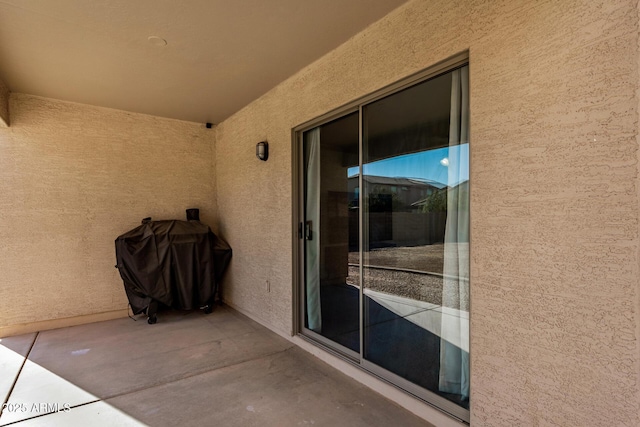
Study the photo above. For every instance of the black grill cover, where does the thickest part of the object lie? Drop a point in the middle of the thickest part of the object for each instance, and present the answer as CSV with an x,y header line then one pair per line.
x,y
176,263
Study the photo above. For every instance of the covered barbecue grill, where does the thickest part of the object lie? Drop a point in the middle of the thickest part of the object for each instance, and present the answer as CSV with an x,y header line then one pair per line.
x,y
171,263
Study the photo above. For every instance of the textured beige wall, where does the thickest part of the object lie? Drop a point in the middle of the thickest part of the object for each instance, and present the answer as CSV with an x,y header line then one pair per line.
x,y
4,104
554,127
73,178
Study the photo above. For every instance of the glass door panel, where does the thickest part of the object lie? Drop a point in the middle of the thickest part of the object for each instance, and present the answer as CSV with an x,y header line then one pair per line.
x,y
385,229
416,238
331,233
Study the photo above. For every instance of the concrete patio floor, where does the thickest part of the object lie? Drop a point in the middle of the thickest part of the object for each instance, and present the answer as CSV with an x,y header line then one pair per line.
x,y
188,369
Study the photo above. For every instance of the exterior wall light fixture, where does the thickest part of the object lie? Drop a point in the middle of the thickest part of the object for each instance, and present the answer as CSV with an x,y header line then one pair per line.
x,y
262,150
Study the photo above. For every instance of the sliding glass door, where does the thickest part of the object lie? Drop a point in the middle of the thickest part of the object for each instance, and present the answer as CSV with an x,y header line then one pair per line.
x,y
385,226
330,233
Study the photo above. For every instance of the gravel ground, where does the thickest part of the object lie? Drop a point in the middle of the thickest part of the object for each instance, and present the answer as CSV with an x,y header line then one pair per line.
x,y
427,258
418,285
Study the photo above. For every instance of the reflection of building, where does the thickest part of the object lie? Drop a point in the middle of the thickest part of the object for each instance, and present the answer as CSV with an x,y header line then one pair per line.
x,y
396,216
405,191
437,201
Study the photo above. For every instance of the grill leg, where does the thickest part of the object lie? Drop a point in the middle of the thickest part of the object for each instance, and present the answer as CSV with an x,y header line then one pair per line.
x,y
152,309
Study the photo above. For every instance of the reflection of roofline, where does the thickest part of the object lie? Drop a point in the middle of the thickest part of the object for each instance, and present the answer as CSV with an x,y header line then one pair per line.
x,y
424,200
420,202
377,179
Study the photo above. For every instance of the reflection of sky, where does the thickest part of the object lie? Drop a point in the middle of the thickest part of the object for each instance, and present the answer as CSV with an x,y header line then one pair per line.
x,y
422,165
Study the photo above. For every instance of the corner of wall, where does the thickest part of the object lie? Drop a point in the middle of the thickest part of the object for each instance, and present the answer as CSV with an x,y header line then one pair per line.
x,y
213,164
636,264
4,104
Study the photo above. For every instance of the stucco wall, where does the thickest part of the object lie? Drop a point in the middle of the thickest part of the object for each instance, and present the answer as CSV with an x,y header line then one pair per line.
x,y
4,104
554,188
73,178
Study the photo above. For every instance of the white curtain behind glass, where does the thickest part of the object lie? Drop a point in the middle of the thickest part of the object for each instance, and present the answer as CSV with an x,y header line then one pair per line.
x,y
454,360
312,259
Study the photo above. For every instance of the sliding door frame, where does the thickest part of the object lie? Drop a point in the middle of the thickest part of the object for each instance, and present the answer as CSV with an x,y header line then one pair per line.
x,y
298,214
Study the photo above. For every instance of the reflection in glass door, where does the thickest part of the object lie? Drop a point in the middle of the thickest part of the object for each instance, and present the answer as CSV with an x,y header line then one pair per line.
x,y
332,291
385,226
416,235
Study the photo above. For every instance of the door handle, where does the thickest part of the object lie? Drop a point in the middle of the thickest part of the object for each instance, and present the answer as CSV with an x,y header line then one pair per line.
x,y
308,234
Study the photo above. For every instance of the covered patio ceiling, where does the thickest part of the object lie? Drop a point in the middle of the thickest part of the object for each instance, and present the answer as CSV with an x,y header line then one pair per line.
x,y
196,60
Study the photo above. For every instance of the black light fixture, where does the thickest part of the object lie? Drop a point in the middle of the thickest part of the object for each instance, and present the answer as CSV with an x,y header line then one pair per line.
x,y
262,150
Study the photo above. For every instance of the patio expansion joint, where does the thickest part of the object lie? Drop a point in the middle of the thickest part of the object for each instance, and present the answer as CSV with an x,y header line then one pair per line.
x,y
195,374
149,387
24,361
